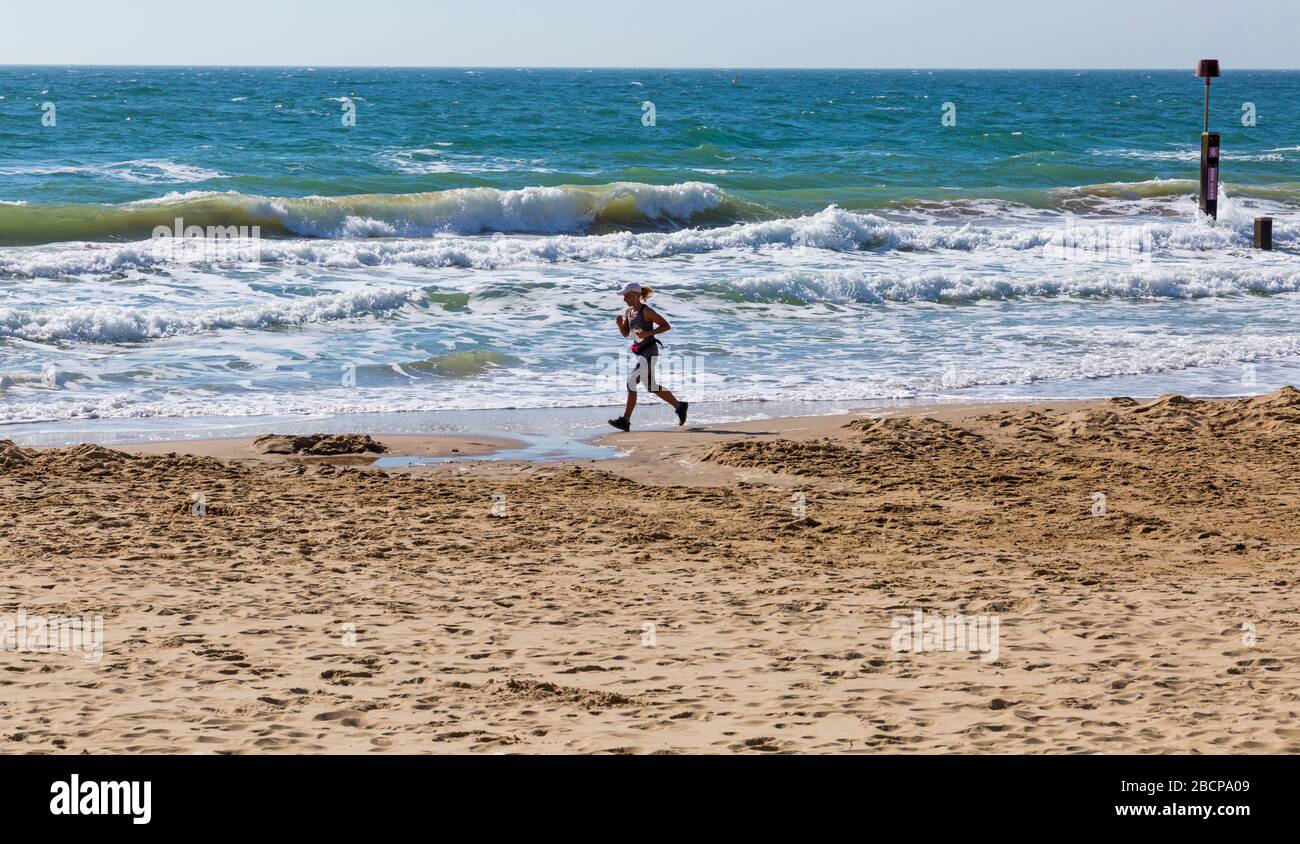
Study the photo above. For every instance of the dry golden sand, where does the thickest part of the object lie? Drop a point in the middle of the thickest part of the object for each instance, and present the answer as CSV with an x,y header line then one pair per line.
x,y
527,631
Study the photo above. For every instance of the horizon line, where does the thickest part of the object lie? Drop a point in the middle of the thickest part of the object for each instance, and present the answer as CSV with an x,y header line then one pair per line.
x,y
1190,68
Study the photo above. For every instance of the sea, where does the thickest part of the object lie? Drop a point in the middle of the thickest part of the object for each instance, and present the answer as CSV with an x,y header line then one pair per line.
x,y
199,251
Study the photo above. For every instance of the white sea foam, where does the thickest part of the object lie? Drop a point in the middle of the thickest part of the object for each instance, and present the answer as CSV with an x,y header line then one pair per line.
x,y
955,285
141,171
1187,155
173,197
425,161
526,389
1166,355
103,324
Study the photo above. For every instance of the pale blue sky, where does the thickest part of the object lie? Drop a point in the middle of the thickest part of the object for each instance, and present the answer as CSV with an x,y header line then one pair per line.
x,y
662,33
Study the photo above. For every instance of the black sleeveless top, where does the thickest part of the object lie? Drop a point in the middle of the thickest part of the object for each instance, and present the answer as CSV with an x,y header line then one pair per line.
x,y
650,347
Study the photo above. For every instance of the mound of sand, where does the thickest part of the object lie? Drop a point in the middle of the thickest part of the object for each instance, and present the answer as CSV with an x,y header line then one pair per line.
x,y
318,445
822,457
1169,421
11,456
913,432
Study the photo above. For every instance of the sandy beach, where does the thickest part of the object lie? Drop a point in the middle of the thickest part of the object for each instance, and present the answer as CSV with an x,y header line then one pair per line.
x,y
733,588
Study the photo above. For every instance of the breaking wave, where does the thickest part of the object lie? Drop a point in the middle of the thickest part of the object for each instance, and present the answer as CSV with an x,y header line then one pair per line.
x,y
832,229
536,210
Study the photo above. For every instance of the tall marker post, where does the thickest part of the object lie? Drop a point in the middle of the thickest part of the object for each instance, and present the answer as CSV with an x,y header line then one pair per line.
x,y
1208,69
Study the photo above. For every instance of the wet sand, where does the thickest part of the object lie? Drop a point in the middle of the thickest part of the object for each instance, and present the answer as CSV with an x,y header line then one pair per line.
x,y
247,448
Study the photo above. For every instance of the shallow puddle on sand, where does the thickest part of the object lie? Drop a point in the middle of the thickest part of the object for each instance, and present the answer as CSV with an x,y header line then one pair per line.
x,y
540,448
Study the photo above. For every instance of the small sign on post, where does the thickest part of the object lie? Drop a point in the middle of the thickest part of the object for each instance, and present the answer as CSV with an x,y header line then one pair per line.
x,y
1210,173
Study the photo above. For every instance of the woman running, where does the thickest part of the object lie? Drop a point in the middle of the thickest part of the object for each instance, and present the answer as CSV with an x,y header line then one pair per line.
x,y
643,323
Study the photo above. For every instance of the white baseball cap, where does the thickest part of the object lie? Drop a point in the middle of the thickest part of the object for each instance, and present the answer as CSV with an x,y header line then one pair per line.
x,y
630,287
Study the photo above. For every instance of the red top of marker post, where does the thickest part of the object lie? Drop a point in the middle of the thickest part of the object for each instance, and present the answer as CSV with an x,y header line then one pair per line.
x,y
1208,68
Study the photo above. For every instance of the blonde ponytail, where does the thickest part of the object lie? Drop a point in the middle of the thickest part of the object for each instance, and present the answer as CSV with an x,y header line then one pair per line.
x,y
646,291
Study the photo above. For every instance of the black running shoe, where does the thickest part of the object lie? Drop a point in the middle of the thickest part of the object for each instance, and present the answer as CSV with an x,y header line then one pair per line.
x,y
622,424
681,412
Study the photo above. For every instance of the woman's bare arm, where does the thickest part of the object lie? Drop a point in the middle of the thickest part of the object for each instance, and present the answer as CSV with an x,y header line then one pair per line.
x,y
658,323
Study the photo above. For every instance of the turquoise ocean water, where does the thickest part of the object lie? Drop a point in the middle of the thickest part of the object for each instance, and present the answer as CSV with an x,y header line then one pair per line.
x,y
822,237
